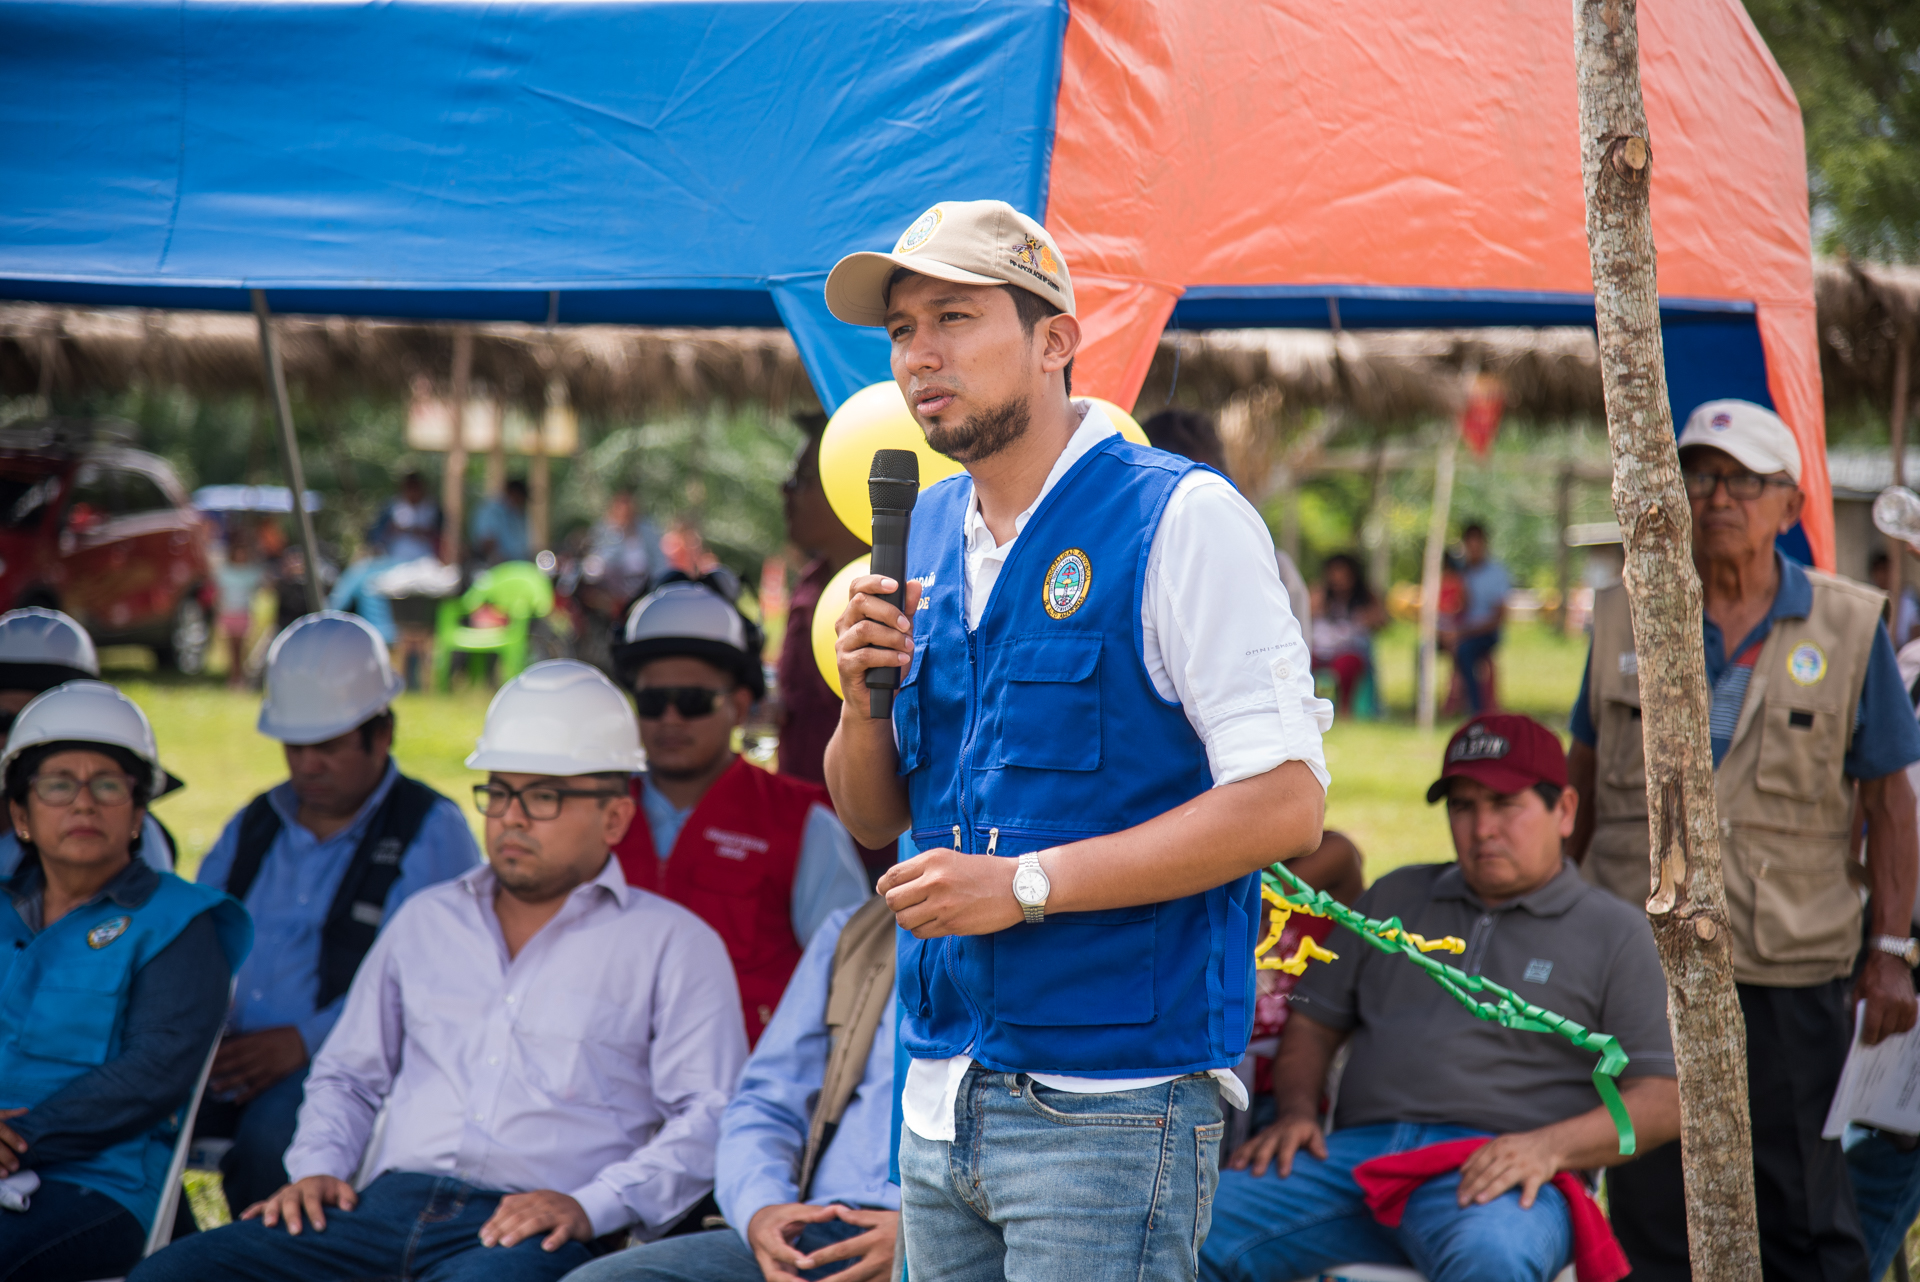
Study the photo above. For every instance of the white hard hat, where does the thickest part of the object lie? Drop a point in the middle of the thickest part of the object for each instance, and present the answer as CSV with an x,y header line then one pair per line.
x,y
39,649
85,712
685,617
561,717
1753,435
327,673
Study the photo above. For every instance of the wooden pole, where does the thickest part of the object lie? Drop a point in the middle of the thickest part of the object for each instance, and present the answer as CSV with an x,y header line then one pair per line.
x,y
1897,431
1686,905
453,486
289,448
1426,696
1562,554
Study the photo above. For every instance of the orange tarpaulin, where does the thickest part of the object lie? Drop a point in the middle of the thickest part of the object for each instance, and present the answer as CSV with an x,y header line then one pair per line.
x,y
1422,145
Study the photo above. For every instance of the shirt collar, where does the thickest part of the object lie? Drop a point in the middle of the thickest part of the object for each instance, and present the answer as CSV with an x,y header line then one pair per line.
x,y
1550,900
1793,599
1094,428
130,888
287,805
481,883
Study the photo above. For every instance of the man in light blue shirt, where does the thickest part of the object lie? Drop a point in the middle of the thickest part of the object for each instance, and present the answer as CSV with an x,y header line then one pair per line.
x,y
319,861
1477,632
803,1194
499,530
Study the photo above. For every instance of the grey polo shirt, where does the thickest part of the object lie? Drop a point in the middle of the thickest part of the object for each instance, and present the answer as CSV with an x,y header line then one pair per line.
x,y
1419,1057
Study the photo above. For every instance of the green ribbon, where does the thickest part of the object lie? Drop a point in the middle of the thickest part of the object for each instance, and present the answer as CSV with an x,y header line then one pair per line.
x,y
1506,1008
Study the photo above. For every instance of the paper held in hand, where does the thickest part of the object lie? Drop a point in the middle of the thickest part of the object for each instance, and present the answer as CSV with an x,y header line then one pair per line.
x,y
1880,1086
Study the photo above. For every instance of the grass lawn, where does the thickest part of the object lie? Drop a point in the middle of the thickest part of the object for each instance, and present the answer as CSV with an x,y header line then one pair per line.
x,y
1380,768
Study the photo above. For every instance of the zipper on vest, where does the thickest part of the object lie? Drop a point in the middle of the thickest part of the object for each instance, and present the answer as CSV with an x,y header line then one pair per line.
x,y
993,841
956,836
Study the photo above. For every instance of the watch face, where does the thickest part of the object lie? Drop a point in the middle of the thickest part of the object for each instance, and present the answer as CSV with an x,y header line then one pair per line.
x,y
1030,886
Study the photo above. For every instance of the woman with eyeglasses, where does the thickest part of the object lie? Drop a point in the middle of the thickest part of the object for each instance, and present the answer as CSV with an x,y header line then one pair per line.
x,y
114,981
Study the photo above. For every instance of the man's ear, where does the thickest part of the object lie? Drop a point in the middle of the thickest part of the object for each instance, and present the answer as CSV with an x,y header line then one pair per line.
x,y
742,700
1565,810
1796,503
616,817
1062,341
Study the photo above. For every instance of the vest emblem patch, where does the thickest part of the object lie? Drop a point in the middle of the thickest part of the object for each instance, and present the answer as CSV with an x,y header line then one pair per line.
x,y
108,931
1629,659
1807,664
735,845
1068,579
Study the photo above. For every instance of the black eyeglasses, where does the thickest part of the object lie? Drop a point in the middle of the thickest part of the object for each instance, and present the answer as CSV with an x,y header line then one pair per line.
x,y
540,801
64,790
691,702
1743,486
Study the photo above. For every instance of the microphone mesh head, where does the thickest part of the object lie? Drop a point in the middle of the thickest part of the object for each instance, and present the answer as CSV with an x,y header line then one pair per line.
x,y
894,481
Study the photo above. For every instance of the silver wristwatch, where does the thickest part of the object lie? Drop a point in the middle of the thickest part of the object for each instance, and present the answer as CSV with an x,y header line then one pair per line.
x,y
1031,887
1907,950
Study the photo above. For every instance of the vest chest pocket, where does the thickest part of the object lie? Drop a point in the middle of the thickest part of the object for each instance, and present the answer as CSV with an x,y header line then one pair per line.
x,y
1799,744
74,1012
1049,715
907,739
1625,762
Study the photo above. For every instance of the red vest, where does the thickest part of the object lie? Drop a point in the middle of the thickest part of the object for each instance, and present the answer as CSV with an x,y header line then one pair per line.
x,y
733,866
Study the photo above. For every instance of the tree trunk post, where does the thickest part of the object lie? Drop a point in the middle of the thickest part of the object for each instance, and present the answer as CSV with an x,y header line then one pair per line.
x,y
1686,903
453,485
1426,696
1897,439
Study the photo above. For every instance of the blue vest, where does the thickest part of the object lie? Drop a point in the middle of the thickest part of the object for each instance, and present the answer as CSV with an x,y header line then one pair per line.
x,y
1042,727
63,1004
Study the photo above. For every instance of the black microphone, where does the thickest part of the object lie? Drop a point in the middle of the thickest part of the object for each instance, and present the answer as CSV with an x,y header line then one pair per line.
x,y
892,487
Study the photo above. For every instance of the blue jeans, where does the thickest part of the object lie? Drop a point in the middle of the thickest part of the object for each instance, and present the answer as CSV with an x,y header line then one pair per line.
x,y
1268,1229
425,1228
68,1234
1049,1186
1467,653
719,1256
1886,1190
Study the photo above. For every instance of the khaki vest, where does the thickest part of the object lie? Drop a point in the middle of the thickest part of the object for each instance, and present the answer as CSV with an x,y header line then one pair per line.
x,y
1783,799
859,990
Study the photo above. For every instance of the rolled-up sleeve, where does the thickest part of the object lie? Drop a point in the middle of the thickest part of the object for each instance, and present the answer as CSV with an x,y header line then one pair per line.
x,y
353,1073
699,1044
1222,639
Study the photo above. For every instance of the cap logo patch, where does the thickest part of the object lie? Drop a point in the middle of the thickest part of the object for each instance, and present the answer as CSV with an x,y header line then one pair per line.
x,y
1035,258
1720,422
920,233
108,931
1478,744
1068,580
1807,664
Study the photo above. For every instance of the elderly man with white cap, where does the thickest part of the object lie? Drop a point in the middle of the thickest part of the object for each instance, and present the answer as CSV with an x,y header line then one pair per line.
x,y
552,1046
1808,711
320,861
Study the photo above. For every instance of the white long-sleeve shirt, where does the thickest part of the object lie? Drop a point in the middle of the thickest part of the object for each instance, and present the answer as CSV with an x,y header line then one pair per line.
x,y
596,1063
1219,636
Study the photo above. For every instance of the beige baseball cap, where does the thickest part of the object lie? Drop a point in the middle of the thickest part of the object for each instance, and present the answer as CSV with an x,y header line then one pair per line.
x,y
1753,435
969,242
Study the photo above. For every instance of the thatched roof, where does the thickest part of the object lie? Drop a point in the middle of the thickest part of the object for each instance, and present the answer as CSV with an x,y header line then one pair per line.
x,y
609,370
1390,377
1862,309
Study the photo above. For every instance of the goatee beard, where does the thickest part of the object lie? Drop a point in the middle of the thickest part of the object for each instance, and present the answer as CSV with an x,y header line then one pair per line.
x,y
984,434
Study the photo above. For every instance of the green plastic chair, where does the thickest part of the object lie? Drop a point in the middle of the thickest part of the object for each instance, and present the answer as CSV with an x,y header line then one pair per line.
x,y
519,590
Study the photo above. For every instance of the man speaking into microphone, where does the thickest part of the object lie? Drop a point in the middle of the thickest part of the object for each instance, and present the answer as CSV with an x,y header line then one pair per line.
x,y
1105,723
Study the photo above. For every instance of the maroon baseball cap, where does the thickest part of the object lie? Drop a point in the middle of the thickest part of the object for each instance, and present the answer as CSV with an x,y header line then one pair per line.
x,y
1507,753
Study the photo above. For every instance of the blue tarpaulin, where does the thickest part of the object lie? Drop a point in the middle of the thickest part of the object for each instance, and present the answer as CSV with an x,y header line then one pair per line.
x,y
693,163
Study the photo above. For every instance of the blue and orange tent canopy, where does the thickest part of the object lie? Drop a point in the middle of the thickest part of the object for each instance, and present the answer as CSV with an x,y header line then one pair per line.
x,y
1203,163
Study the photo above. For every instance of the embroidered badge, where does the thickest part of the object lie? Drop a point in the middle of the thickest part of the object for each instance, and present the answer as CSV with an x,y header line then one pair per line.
x,y
1538,971
1807,664
1629,662
920,233
108,931
1036,259
1720,422
1478,744
1068,579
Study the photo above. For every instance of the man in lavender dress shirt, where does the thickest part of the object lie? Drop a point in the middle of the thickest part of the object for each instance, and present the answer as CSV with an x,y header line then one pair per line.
x,y
552,1048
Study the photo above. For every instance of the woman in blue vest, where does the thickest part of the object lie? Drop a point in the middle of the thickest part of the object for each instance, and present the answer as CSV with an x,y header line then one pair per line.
x,y
114,981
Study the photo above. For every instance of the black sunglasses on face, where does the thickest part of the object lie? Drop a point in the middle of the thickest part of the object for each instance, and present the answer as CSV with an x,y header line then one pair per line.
x,y
1742,486
691,702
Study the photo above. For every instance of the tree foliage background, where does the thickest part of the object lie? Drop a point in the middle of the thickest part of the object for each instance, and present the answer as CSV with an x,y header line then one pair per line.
x,y
1855,66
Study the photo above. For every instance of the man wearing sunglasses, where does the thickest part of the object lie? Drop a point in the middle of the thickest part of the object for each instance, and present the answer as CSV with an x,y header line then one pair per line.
x,y
759,856
553,1048
1808,712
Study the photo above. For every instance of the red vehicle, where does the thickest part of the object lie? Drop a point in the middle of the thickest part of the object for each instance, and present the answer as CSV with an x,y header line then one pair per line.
x,y
104,532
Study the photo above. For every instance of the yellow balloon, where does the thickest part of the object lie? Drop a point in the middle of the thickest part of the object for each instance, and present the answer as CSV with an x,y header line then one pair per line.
x,y
1122,420
833,604
873,418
